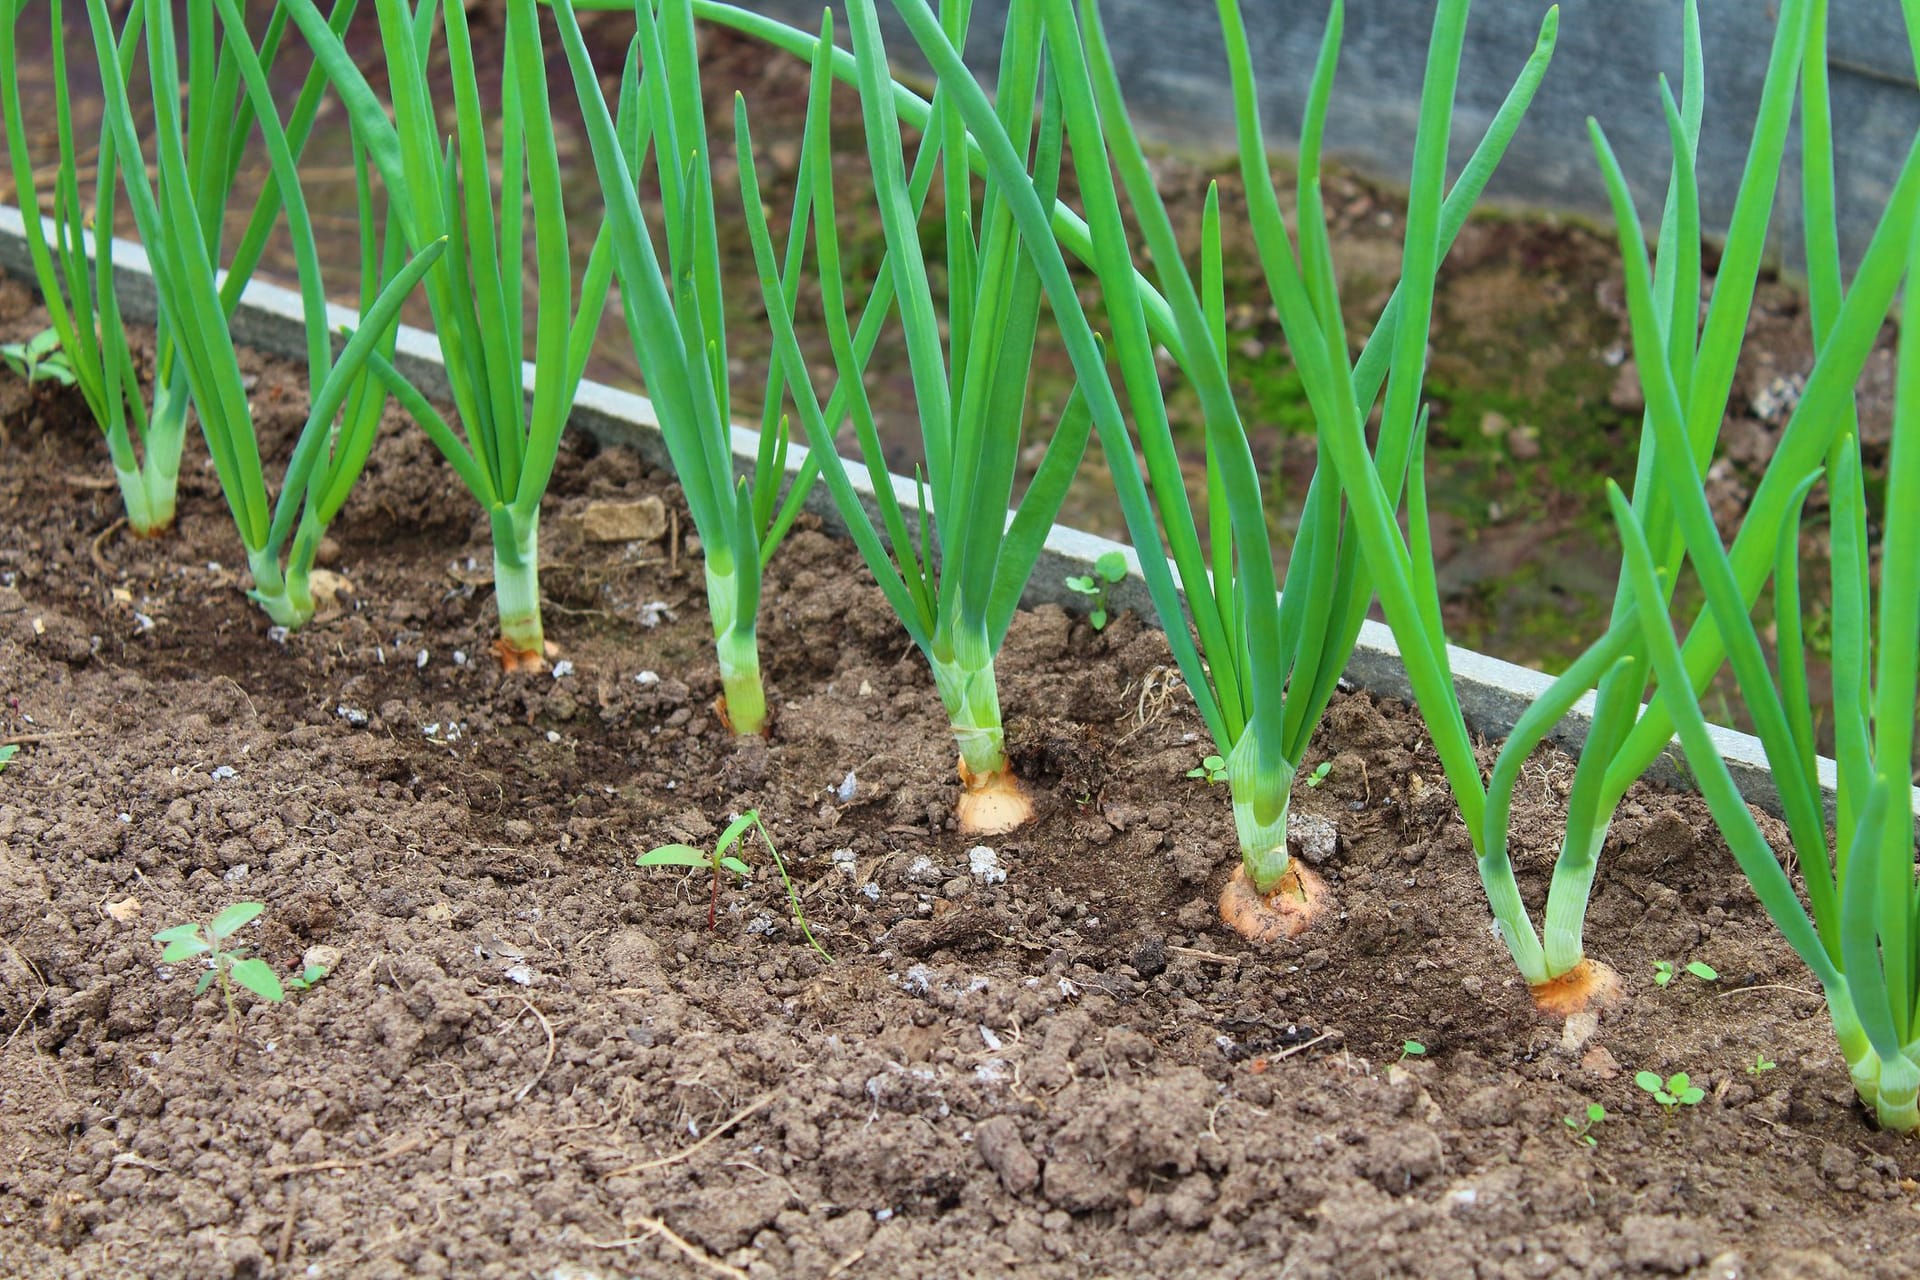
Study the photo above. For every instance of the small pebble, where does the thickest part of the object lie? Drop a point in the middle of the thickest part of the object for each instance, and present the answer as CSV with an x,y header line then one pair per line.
x,y
985,865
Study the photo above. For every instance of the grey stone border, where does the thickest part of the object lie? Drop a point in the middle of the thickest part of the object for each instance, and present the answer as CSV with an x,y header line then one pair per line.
x,y
1493,694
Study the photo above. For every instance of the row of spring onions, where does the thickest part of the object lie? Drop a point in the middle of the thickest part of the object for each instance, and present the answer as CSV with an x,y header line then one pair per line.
x,y
144,442
1262,667
679,333
507,455
955,573
1857,931
179,215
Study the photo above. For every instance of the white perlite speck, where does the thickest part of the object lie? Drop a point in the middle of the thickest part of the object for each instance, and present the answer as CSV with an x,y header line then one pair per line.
x,y
985,865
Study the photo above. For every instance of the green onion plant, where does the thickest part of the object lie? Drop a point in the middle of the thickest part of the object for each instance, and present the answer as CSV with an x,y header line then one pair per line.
x,y
1699,359
954,570
1553,961
1856,929
75,270
1262,668
179,217
677,321
446,189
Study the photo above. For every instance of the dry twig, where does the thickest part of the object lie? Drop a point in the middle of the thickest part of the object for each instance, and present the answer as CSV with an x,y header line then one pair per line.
x,y
658,1229
546,1026
756,1105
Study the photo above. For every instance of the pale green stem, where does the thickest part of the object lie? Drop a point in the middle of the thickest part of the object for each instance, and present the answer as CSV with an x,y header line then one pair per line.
x,y
1863,1064
516,580
1897,1105
971,696
288,601
1567,897
148,498
149,480
1261,790
1510,918
737,645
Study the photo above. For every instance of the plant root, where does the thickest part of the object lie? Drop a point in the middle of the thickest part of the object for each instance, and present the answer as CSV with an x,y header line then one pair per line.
x,y
992,804
1285,911
1588,985
515,661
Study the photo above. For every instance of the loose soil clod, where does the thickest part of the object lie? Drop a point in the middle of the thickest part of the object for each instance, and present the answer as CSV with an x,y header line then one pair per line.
x,y
1286,912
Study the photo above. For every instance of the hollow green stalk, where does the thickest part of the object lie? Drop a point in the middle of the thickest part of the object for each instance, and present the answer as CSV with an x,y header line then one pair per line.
x,y
679,333
954,575
75,272
1856,931
178,217
1700,360
506,447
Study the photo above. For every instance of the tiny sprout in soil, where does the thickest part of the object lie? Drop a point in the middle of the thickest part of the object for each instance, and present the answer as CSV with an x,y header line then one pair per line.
x,y
225,964
1581,1126
1213,769
307,979
7,753
39,359
1108,571
1319,775
685,855
1677,1090
1411,1049
1761,1062
1664,973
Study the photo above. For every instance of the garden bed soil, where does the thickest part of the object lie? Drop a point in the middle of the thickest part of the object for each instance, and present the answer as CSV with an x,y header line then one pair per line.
x,y
533,1059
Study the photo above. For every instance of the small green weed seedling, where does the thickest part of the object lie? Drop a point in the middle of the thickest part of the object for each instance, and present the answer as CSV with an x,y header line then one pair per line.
x,y
1319,775
685,855
1580,1127
307,979
1411,1049
7,753
1761,1062
1677,1090
1108,571
226,964
39,359
1213,769
1664,972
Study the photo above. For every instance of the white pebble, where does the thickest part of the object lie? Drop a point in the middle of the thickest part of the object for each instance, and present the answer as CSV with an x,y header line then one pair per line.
x,y
985,865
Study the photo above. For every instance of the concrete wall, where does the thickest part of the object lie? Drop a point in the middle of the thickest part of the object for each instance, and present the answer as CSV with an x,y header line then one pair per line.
x,y
1607,65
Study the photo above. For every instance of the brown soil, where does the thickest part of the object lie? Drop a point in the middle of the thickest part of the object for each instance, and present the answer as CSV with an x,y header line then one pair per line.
x,y
533,1059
